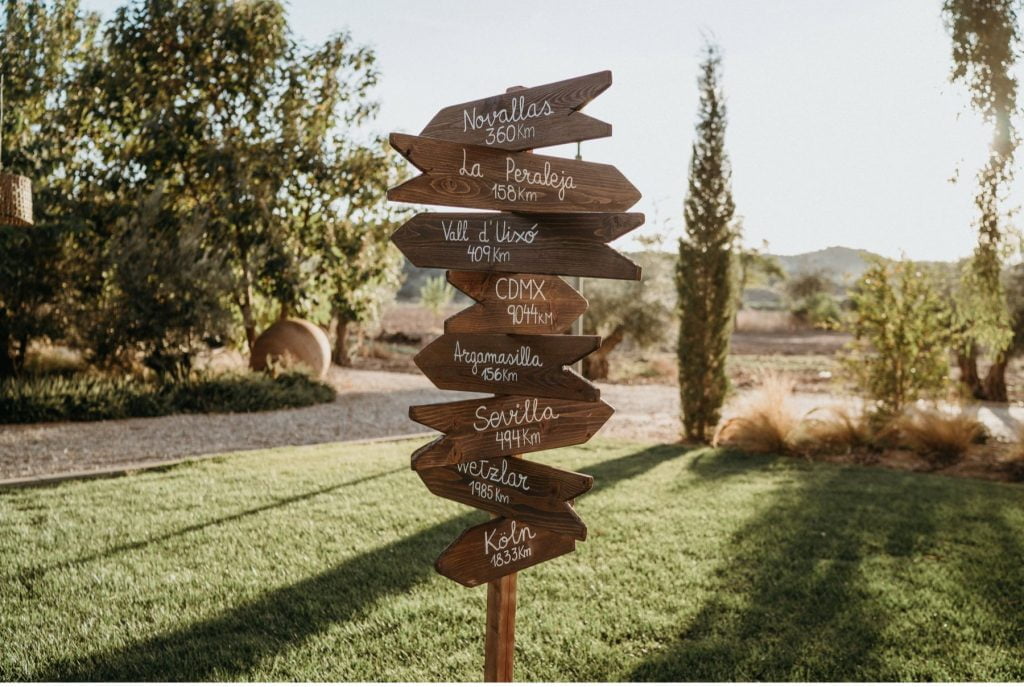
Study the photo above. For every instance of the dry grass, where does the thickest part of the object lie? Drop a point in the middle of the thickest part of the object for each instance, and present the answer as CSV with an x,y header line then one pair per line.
x,y
841,431
940,437
767,422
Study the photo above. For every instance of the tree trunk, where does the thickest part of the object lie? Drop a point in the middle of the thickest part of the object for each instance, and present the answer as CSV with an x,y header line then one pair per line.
x,y
7,368
247,318
995,379
595,365
968,364
341,355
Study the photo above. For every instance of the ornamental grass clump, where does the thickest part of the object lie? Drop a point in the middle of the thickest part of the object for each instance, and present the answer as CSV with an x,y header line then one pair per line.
x,y
840,431
766,423
941,438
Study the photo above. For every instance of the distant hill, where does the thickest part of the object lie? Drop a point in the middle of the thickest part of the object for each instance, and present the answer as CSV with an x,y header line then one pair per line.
x,y
841,264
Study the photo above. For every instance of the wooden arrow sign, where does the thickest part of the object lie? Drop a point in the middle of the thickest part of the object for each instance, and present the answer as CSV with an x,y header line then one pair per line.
x,y
502,425
530,118
471,176
497,548
509,364
516,488
572,244
514,304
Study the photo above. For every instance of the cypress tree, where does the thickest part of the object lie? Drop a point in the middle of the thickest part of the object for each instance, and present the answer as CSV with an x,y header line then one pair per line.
x,y
706,269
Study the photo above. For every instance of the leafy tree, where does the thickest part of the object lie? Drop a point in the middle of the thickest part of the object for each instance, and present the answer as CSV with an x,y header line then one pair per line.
x,y
29,288
638,311
436,293
216,103
706,269
811,300
986,38
901,329
41,46
151,303
755,264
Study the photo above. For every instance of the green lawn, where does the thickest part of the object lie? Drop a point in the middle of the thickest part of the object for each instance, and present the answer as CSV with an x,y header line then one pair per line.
x,y
315,564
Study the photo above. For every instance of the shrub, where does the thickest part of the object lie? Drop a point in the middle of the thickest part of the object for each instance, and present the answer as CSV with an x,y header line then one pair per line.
x,y
840,431
941,438
436,293
94,397
766,423
901,333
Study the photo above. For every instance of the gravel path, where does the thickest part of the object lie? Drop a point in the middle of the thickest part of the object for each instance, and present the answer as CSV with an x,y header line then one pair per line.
x,y
370,405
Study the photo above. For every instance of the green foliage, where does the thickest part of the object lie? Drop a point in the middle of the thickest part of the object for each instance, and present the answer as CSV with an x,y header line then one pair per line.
x,y
639,309
811,301
757,266
42,44
901,329
785,570
93,397
164,295
30,283
706,273
986,38
436,293
248,136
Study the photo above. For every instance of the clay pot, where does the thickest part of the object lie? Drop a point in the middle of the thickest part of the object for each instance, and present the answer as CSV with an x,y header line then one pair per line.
x,y
290,342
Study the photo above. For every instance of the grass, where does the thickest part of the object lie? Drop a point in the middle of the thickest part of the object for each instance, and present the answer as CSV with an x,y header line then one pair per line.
x,y
97,397
315,564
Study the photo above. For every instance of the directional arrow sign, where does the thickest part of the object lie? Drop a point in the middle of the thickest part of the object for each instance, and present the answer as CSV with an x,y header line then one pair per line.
x,y
514,304
471,176
509,364
572,244
530,118
497,548
516,488
498,426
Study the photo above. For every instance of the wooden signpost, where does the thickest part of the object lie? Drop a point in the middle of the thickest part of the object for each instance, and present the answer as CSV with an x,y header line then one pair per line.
x,y
509,364
572,245
556,217
518,303
526,118
468,176
505,425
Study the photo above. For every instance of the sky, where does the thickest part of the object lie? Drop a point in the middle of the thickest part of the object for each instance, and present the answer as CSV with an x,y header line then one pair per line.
x,y
843,128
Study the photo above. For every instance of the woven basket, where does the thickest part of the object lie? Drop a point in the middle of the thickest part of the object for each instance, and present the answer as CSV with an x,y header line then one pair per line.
x,y
15,200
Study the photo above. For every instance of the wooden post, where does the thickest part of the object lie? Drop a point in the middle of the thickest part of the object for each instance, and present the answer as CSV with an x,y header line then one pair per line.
x,y
500,633
500,639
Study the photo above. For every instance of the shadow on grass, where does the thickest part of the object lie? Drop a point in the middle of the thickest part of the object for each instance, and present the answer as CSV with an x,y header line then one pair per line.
x,y
227,645
793,601
28,575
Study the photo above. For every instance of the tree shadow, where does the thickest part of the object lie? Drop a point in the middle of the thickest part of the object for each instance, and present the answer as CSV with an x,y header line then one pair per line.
x,y
792,601
28,576
231,643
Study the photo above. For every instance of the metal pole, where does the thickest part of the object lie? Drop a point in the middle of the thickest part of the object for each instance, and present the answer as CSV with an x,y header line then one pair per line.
x,y
577,283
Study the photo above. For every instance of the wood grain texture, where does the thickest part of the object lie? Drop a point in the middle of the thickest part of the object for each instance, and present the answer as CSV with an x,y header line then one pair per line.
x,y
499,547
526,118
498,426
514,304
477,177
500,632
509,364
571,244
515,488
